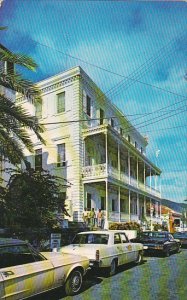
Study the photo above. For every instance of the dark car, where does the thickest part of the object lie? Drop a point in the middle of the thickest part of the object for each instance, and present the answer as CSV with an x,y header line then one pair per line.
x,y
182,237
158,242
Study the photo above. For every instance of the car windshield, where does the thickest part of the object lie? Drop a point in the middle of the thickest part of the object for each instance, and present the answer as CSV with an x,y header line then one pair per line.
x,y
159,235
91,238
180,234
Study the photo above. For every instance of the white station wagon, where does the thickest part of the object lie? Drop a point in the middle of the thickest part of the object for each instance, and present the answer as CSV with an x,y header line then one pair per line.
x,y
24,272
109,248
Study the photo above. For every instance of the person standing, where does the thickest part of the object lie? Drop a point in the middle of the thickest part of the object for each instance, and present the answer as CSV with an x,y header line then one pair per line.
x,y
85,217
99,218
92,217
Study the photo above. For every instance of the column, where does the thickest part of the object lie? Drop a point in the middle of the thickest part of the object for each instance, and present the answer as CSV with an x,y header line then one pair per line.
x,y
129,167
106,151
106,215
119,166
129,205
119,204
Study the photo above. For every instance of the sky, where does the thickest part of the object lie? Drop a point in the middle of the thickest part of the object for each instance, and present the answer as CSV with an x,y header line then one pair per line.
x,y
136,52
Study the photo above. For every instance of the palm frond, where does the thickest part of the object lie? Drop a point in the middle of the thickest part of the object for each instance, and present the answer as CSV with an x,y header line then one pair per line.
x,y
19,59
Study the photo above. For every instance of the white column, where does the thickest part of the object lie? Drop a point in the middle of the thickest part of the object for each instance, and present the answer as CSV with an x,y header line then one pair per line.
x,y
138,206
119,167
106,216
129,205
137,171
144,174
119,194
106,152
129,167
150,179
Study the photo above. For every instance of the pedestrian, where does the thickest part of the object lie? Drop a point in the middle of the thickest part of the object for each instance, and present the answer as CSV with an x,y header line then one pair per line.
x,y
92,217
85,217
103,221
99,218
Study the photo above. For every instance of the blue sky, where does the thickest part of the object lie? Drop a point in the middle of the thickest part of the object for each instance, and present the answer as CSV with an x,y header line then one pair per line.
x,y
136,52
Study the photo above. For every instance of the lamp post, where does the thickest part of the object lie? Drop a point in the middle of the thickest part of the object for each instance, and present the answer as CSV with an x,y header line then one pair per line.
x,y
151,215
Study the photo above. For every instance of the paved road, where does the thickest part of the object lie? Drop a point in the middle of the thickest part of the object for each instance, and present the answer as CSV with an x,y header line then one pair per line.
x,y
158,278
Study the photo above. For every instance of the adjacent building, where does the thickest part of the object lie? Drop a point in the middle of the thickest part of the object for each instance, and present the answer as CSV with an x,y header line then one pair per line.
x,y
93,146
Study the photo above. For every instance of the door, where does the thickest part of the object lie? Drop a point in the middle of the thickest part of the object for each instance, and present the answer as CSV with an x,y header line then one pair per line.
x,y
24,271
128,253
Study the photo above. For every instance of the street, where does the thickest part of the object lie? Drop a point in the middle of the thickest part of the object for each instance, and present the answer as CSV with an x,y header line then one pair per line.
x,y
157,278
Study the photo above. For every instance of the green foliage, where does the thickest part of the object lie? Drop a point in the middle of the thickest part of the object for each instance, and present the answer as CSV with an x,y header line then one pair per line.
x,y
33,199
125,226
14,120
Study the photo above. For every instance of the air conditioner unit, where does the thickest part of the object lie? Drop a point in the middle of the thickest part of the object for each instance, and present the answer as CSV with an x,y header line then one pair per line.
x,y
61,164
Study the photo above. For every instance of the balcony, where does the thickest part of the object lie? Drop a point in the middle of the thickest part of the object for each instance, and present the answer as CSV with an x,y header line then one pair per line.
x,y
100,171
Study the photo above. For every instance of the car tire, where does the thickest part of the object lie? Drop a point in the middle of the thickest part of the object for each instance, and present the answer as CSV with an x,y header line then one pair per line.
x,y
113,267
73,283
139,259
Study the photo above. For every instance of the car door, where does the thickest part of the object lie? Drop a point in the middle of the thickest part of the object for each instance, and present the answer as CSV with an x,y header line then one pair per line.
x,y
24,271
128,253
173,243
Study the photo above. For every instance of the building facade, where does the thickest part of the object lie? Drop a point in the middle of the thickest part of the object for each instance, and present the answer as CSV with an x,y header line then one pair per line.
x,y
92,145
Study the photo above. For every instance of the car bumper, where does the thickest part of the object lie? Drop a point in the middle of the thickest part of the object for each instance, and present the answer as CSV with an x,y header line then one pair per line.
x,y
94,264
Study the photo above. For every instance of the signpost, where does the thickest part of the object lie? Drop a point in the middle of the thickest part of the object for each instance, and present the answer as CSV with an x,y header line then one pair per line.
x,y
55,241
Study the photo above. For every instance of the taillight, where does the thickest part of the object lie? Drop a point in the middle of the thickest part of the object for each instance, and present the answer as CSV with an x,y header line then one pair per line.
x,y
97,255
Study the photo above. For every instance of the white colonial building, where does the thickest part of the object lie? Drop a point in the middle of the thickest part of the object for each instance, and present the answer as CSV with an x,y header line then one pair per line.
x,y
91,144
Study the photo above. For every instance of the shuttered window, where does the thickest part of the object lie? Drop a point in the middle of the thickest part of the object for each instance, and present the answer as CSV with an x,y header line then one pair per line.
x,y
61,155
61,102
38,159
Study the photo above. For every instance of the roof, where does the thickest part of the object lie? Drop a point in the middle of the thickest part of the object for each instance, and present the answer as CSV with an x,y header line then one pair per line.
x,y
101,231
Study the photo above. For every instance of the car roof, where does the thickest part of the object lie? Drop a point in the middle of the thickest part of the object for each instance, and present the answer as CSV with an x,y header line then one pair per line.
x,y
10,242
101,231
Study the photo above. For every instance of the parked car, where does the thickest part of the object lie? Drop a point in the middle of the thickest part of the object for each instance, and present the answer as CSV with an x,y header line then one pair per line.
x,y
182,237
105,249
25,272
158,241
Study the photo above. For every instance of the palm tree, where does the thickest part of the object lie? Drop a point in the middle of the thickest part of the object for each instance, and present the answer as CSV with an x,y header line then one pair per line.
x,y
14,119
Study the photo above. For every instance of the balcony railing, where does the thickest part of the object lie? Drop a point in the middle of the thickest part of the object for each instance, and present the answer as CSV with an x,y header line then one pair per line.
x,y
100,170
94,171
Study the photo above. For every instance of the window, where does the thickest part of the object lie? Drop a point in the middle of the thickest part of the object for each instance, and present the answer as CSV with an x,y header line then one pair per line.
x,y
61,102
129,138
101,116
88,106
121,131
113,204
38,159
38,109
136,145
15,255
61,155
102,203
117,239
112,122
123,238
89,200
122,205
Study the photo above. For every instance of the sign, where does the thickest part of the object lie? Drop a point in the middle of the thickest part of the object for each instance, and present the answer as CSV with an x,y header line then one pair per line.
x,y
55,241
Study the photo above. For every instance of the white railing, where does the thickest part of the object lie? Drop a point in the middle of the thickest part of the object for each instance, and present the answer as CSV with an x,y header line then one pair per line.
x,y
113,172
124,177
94,171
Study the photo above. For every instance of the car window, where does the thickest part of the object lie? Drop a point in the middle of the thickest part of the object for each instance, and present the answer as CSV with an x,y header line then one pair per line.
x,y
15,255
91,238
123,238
117,239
